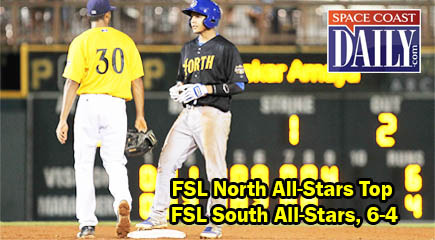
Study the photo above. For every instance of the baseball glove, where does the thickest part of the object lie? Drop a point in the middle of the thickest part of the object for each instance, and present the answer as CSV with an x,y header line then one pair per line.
x,y
139,143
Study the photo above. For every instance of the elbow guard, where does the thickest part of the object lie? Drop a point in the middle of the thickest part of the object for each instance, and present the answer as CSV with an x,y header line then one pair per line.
x,y
226,89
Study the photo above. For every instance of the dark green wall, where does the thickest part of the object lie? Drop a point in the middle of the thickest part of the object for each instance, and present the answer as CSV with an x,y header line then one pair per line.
x,y
13,160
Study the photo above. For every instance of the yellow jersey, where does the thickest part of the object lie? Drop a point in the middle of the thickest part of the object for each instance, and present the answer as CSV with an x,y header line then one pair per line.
x,y
104,61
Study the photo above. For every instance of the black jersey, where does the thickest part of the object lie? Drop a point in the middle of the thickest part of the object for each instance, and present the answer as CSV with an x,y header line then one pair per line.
x,y
215,62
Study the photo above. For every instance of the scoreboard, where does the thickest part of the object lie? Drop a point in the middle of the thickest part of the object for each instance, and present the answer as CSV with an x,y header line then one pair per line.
x,y
388,138
293,121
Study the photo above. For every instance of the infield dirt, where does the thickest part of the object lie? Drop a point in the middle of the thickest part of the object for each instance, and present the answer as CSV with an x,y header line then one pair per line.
x,y
240,232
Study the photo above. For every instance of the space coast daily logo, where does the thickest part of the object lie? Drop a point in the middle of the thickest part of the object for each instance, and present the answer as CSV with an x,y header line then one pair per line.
x,y
374,41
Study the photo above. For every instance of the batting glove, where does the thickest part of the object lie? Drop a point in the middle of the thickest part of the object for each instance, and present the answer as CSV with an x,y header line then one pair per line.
x,y
192,92
175,91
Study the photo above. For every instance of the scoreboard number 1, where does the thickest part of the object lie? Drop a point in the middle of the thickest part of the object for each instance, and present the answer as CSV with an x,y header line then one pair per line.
x,y
386,130
293,130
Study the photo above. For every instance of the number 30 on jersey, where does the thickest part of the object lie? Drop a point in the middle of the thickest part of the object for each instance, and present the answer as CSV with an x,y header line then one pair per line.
x,y
104,66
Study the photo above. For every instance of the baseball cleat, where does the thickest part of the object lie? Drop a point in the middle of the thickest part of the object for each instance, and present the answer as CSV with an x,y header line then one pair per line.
x,y
150,223
211,233
86,232
123,225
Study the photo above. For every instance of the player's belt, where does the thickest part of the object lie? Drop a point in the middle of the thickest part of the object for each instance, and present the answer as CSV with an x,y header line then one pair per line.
x,y
191,105
188,106
99,94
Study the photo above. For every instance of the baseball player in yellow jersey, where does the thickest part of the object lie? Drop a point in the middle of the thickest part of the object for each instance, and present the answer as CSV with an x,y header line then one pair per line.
x,y
103,67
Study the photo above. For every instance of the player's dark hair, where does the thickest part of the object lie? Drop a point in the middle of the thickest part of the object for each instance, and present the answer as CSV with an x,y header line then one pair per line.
x,y
96,18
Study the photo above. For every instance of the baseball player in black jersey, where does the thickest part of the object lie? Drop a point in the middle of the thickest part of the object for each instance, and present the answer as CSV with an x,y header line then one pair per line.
x,y
210,72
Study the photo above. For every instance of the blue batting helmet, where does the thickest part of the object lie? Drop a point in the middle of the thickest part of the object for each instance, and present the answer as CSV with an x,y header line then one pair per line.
x,y
207,8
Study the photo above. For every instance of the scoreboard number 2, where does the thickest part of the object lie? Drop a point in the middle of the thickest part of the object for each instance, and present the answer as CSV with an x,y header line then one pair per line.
x,y
386,130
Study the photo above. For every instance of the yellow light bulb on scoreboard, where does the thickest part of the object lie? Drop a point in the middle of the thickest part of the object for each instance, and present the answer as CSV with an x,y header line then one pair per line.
x,y
145,203
147,178
386,130
413,179
329,174
309,171
293,126
261,171
193,173
414,204
239,173
288,171
147,184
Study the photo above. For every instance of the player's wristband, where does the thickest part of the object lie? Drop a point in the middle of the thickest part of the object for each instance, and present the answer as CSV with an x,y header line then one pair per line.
x,y
226,89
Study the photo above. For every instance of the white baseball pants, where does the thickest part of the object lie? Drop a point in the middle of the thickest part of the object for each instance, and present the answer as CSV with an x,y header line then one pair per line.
x,y
206,128
102,118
